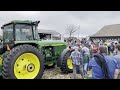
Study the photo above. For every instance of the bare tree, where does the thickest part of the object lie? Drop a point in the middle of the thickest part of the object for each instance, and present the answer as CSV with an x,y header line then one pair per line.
x,y
70,29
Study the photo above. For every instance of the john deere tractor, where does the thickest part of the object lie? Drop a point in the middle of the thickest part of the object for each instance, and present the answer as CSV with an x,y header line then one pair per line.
x,y
24,55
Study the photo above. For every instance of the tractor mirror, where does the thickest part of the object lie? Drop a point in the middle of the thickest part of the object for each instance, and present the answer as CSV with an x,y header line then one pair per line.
x,y
38,21
1,27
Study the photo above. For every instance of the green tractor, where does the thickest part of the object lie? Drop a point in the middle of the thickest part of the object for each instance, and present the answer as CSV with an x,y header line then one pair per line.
x,y
24,56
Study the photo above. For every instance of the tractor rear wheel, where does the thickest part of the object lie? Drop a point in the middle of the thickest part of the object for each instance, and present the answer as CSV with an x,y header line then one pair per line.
x,y
66,63
23,62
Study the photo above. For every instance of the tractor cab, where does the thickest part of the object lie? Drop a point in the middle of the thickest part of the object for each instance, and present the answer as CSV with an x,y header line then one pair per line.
x,y
19,31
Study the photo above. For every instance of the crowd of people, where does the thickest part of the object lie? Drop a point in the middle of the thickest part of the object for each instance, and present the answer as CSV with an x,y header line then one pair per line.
x,y
101,57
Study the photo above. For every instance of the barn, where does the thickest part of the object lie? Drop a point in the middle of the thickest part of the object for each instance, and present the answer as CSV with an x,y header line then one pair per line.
x,y
108,32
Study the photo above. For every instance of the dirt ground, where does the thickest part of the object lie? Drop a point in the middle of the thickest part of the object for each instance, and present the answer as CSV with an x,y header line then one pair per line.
x,y
55,73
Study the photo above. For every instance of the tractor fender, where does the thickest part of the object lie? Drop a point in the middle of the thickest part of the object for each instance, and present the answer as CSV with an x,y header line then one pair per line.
x,y
60,59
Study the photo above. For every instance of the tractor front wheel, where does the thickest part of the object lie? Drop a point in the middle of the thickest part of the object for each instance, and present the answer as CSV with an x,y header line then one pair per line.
x,y
23,62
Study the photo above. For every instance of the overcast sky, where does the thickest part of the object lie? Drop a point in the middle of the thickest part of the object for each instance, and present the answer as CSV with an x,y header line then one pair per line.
x,y
90,21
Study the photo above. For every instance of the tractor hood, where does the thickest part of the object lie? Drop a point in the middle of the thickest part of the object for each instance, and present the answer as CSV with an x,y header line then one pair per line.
x,y
51,43
43,43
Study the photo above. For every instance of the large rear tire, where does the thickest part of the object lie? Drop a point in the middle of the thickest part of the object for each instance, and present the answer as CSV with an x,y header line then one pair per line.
x,y
66,62
23,62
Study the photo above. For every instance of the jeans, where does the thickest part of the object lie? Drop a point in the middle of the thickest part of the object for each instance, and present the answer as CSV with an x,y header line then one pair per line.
x,y
86,68
80,69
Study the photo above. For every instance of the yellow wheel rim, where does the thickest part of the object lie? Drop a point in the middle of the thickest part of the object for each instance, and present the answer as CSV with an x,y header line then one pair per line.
x,y
27,66
0,60
69,63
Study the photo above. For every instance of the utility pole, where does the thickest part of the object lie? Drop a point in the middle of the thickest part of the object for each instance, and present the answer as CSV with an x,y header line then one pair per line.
x,y
78,31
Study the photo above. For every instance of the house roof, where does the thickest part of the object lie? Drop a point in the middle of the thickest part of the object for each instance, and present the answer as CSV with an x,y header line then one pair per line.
x,y
107,31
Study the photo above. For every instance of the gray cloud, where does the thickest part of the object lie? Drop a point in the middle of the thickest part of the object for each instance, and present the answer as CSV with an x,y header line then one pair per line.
x,y
90,21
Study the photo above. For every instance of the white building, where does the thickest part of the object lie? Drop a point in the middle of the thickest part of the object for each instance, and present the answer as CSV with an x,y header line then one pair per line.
x,y
50,34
